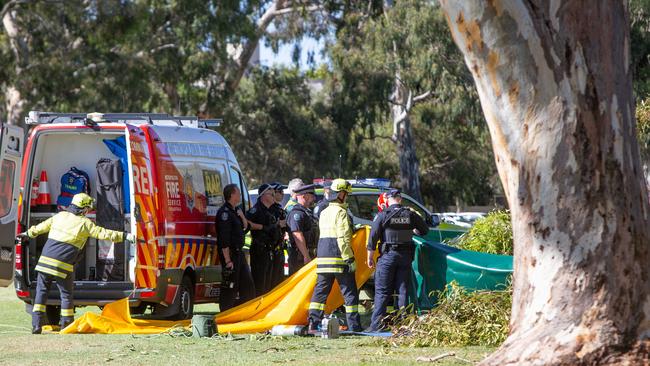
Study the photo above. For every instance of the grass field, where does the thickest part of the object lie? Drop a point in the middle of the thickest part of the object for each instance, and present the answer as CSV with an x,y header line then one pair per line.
x,y
19,347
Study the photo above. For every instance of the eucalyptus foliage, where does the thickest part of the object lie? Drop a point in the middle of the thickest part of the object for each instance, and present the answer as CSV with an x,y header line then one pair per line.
x,y
462,318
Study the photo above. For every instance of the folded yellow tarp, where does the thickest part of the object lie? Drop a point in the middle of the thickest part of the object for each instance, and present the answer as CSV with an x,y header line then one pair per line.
x,y
288,303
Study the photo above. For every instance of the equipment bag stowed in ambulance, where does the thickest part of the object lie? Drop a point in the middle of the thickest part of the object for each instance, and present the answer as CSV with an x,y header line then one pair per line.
x,y
73,182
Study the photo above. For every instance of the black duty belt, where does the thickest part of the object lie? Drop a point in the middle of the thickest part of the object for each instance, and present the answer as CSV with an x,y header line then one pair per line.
x,y
400,247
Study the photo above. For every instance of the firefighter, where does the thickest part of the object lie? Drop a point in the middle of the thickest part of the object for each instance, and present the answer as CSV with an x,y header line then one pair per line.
x,y
393,228
324,202
277,255
293,184
68,231
303,227
335,259
231,226
266,233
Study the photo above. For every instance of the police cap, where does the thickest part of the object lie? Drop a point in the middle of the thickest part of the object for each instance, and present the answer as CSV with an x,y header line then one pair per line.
x,y
263,188
307,188
278,186
394,193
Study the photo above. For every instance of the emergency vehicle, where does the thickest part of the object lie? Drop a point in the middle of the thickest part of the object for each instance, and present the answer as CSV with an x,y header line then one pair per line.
x,y
176,170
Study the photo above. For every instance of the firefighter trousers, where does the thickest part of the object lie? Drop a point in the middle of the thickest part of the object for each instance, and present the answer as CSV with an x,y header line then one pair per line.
x,y
393,274
65,286
348,285
240,283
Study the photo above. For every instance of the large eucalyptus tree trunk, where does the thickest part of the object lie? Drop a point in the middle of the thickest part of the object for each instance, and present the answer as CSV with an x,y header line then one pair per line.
x,y
555,86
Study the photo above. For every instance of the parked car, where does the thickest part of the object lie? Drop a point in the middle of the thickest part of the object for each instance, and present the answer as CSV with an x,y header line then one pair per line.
x,y
362,204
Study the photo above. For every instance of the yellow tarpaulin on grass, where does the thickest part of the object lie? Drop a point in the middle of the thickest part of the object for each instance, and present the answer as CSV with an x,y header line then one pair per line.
x,y
288,303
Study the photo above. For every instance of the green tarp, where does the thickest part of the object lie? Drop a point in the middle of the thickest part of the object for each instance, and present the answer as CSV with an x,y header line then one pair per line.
x,y
436,265
445,231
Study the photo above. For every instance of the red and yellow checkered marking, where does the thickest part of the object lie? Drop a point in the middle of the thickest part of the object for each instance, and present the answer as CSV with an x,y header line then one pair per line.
x,y
146,270
181,253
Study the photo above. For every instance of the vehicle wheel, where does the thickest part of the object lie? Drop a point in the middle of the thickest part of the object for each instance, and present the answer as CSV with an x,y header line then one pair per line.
x,y
52,315
140,309
185,299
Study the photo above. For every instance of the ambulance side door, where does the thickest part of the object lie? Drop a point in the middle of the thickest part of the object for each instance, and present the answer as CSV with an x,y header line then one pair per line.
x,y
144,222
11,147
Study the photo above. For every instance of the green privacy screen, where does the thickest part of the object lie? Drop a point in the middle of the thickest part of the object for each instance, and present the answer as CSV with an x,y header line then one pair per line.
x,y
436,265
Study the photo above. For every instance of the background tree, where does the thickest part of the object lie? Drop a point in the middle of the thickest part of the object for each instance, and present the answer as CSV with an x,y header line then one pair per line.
x,y
555,84
399,82
277,134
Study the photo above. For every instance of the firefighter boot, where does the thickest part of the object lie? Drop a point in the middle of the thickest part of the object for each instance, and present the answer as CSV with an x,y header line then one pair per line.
x,y
37,322
313,327
65,321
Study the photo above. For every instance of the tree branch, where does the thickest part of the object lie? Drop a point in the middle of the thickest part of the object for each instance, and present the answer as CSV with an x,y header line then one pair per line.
x,y
422,97
10,5
293,9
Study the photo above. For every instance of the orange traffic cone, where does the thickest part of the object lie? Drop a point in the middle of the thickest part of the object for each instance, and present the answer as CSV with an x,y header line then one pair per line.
x,y
34,194
43,191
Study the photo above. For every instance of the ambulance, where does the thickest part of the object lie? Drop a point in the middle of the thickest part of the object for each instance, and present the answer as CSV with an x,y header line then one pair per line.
x,y
174,170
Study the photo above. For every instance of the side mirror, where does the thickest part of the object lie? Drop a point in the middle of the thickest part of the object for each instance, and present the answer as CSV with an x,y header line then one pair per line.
x,y
435,220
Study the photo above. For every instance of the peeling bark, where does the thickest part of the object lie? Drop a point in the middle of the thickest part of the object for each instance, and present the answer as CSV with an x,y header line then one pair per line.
x,y
556,90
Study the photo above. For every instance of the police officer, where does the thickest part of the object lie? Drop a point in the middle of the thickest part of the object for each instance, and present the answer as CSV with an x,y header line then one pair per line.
x,y
277,255
324,202
293,184
266,233
303,227
335,260
68,231
231,225
394,228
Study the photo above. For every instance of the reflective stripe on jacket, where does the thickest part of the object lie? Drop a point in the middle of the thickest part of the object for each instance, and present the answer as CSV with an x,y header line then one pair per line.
x,y
334,244
68,234
68,228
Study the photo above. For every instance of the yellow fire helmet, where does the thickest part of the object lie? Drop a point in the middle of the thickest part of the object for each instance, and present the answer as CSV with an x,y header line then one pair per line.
x,y
340,185
83,200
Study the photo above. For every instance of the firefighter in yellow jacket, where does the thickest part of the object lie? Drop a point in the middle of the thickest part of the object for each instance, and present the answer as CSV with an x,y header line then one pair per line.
x,y
68,231
335,259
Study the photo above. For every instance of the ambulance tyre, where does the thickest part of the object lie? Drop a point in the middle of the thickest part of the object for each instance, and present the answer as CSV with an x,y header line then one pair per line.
x,y
185,299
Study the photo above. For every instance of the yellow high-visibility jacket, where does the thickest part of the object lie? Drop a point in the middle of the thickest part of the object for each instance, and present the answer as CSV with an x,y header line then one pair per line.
x,y
335,242
68,234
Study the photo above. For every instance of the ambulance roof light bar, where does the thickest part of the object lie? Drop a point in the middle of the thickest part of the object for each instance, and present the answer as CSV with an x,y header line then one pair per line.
x,y
37,118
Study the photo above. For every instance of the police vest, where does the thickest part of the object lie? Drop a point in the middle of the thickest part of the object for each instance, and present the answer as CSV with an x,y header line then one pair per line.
x,y
398,228
311,231
264,239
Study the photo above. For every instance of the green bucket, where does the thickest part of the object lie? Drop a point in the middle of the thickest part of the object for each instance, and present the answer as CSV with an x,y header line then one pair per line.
x,y
203,326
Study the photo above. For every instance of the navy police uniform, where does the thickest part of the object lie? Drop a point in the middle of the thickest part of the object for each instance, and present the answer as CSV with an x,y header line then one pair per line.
x,y
230,234
393,227
263,245
301,219
277,252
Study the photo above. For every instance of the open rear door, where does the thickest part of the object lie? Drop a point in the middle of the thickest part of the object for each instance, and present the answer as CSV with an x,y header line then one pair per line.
x,y
11,147
143,208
